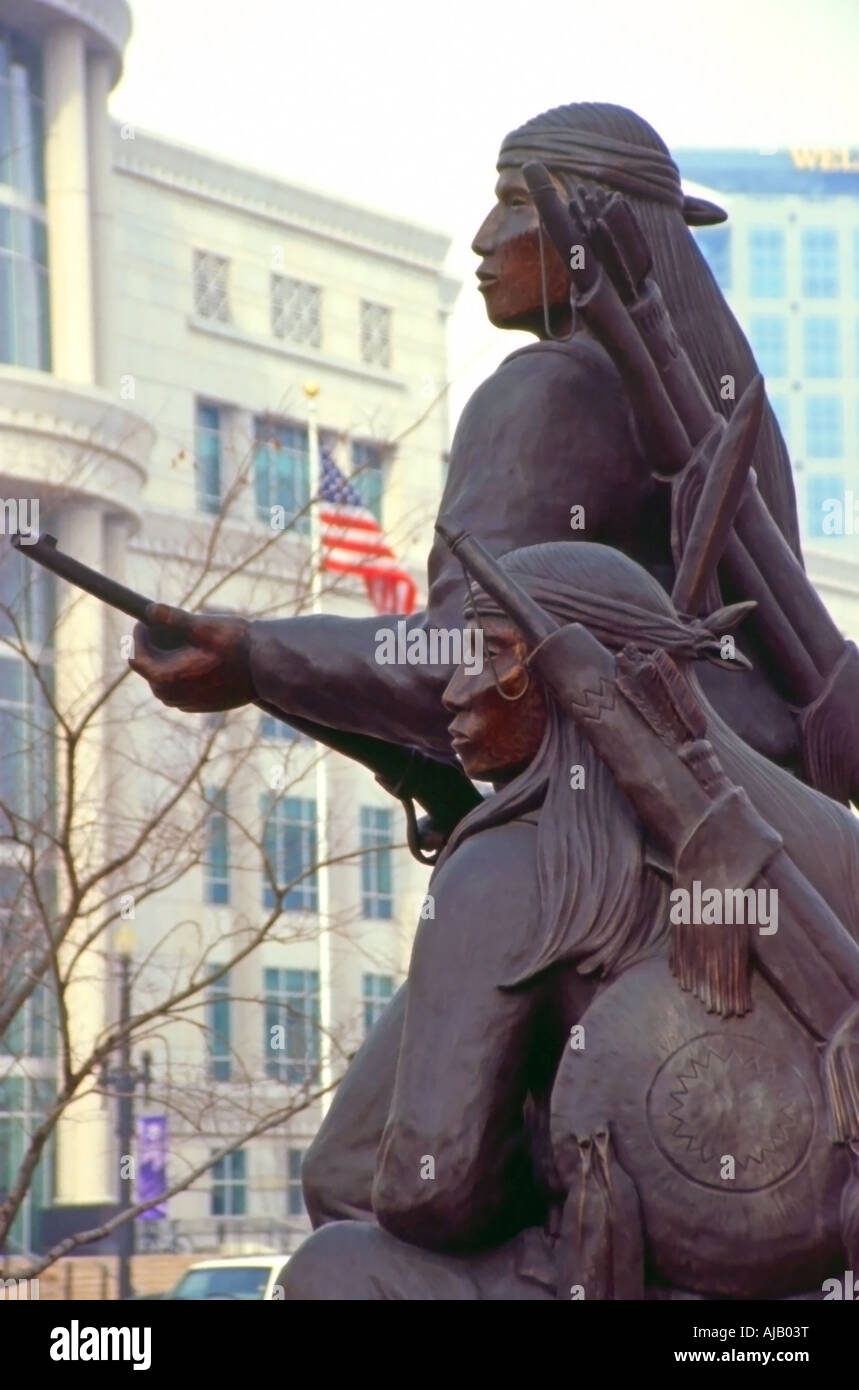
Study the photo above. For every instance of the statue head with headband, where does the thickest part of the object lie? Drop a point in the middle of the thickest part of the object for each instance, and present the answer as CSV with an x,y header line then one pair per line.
x,y
500,712
590,143
525,285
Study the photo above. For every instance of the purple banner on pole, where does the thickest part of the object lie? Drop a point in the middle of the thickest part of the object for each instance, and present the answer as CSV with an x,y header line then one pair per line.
x,y
152,1170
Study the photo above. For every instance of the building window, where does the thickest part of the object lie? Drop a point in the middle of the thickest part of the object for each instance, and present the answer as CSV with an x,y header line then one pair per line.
x,y
825,499
228,1195
278,731
24,312
821,347
32,1032
27,724
27,731
819,249
219,1021
23,1104
296,311
289,842
209,426
377,898
211,297
823,427
291,1039
294,1192
767,275
368,475
16,739
378,992
27,603
282,472
216,864
768,333
715,244
22,125
375,334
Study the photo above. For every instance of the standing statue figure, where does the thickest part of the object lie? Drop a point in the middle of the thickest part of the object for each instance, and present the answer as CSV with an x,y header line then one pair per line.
x,y
592,1097
552,429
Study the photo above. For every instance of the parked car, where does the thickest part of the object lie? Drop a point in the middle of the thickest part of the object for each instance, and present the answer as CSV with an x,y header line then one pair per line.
x,y
242,1277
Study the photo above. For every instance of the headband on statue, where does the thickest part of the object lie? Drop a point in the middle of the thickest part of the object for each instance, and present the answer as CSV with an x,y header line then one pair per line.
x,y
614,622
633,169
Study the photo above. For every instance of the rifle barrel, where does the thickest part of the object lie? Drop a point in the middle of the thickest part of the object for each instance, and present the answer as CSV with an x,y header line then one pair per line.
x,y
44,551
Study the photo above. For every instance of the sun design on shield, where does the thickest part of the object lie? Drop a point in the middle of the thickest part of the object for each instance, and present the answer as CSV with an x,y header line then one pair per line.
x,y
730,1096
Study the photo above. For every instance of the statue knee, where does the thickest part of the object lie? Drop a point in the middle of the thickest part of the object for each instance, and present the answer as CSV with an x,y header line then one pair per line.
x,y
337,1262
335,1184
311,1272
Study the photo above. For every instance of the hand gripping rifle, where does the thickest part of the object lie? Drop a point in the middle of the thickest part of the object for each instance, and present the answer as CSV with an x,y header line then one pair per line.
x,y
643,720
622,306
407,774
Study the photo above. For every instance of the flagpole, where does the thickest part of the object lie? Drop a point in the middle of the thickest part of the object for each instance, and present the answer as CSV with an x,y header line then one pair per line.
x,y
326,1012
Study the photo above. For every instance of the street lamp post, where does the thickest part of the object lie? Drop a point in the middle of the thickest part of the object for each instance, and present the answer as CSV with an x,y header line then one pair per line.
x,y
126,1080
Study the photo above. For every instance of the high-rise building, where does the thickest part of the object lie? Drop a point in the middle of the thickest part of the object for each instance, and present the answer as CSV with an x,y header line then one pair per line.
x,y
162,312
787,261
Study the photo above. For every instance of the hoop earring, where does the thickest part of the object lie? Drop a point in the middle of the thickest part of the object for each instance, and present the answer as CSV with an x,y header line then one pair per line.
x,y
512,698
553,337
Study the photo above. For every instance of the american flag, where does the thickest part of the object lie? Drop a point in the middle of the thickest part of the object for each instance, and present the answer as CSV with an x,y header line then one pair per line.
x,y
353,543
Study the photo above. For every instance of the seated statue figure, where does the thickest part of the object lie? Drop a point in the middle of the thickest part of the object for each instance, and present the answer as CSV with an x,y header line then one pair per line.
x,y
579,1092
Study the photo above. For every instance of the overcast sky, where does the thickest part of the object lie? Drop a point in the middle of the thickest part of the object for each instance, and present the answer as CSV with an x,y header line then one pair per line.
x,y
403,105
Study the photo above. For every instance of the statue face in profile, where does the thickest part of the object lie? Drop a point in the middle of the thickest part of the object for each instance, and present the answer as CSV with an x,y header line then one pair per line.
x,y
509,275
499,714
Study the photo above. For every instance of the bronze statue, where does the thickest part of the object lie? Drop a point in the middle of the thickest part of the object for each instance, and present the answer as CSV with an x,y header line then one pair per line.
x,y
579,1092
589,1101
